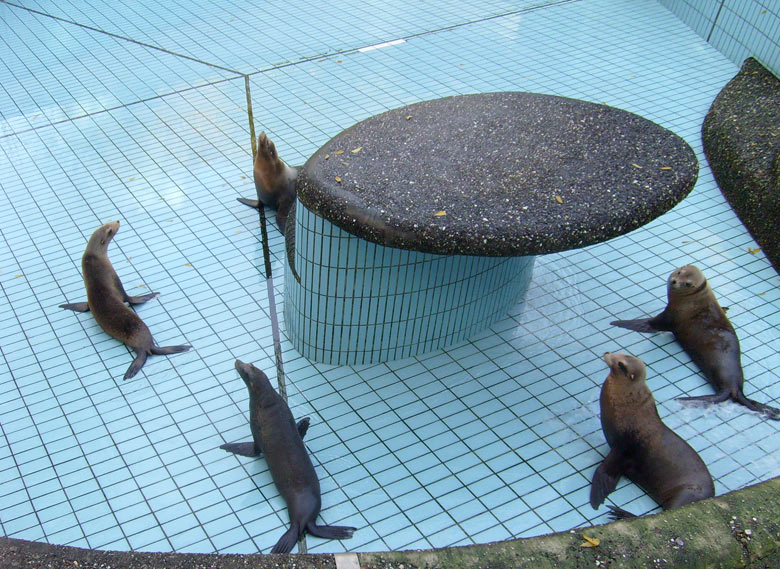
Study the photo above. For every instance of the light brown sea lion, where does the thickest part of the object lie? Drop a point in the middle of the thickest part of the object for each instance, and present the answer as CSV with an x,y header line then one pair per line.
x,y
274,181
280,440
106,299
703,330
644,449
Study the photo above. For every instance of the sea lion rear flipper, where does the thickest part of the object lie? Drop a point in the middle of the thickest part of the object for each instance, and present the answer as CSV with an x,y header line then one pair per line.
x,y
660,323
137,364
141,299
287,541
168,350
242,449
330,532
702,400
616,513
605,478
766,410
303,426
251,203
77,307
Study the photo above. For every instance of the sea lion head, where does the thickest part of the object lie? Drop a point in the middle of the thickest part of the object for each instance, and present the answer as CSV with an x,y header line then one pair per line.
x,y
257,382
102,237
625,368
686,280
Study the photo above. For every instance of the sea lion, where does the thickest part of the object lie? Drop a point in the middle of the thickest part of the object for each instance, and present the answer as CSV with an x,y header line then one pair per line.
x,y
641,446
280,440
106,299
703,330
274,181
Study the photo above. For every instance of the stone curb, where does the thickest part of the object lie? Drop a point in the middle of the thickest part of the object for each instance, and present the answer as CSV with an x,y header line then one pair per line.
x,y
739,530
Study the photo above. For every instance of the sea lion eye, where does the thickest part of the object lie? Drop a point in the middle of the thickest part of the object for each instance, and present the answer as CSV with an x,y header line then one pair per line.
x,y
688,285
623,367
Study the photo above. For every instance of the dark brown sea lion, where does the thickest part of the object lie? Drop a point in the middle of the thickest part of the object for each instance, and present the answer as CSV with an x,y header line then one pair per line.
x,y
280,440
644,449
274,181
106,299
702,328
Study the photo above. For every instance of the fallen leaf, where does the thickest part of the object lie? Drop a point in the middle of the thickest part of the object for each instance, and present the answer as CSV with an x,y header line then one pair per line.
x,y
338,179
17,276
666,167
187,265
636,165
327,157
409,117
753,251
441,213
358,149
131,179
559,199
339,152
590,541
345,163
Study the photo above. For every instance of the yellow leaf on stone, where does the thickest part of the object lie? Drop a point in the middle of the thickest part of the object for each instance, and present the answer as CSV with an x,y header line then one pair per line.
x,y
338,179
409,117
754,251
636,165
559,199
590,541
327,156
440,213
339,152
666,167
358,149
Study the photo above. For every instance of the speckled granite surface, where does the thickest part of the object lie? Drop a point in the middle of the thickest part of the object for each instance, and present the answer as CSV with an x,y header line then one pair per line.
x,y
498,174
741,137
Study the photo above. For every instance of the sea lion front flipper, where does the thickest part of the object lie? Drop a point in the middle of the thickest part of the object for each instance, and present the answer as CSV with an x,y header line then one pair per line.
x,y
76,307
330,532
660,323
242,449
138,363
605,478
288,539
251,203
141,299
168,350
303,426
616,513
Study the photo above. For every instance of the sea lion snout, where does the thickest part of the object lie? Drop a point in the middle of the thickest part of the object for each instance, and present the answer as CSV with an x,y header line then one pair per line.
x,y
624,365
250,374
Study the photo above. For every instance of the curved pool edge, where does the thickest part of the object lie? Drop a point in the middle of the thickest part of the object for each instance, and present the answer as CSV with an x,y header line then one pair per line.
x,y
740,529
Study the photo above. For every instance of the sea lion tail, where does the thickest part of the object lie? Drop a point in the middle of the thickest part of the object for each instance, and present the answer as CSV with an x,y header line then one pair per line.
x,y
287,541
330,532
76,307
616,513
765,410
251,203
701,400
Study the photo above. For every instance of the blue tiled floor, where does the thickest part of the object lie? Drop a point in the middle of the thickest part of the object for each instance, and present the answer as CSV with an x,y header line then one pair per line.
x,y
138,112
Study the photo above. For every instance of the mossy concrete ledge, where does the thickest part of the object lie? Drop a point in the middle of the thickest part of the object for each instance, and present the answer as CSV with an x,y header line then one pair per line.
x,y
741,138
739,530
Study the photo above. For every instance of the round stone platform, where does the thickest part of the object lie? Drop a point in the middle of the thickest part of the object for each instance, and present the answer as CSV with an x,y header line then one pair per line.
x,y
416,228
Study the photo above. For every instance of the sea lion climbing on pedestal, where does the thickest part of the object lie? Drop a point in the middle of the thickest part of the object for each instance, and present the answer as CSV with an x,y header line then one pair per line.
x,y
276,435
106,299
704,331
642,447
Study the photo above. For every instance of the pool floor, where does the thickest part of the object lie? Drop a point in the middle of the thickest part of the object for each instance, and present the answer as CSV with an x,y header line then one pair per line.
x,y
137,111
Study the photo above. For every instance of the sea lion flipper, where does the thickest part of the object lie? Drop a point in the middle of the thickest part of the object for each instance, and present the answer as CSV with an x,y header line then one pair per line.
x,y
330,532
76,307
287,541
303,426
616,513
137,364
656,324
605,478
243,449
141,299
251,203
168,350
702,400
766,410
